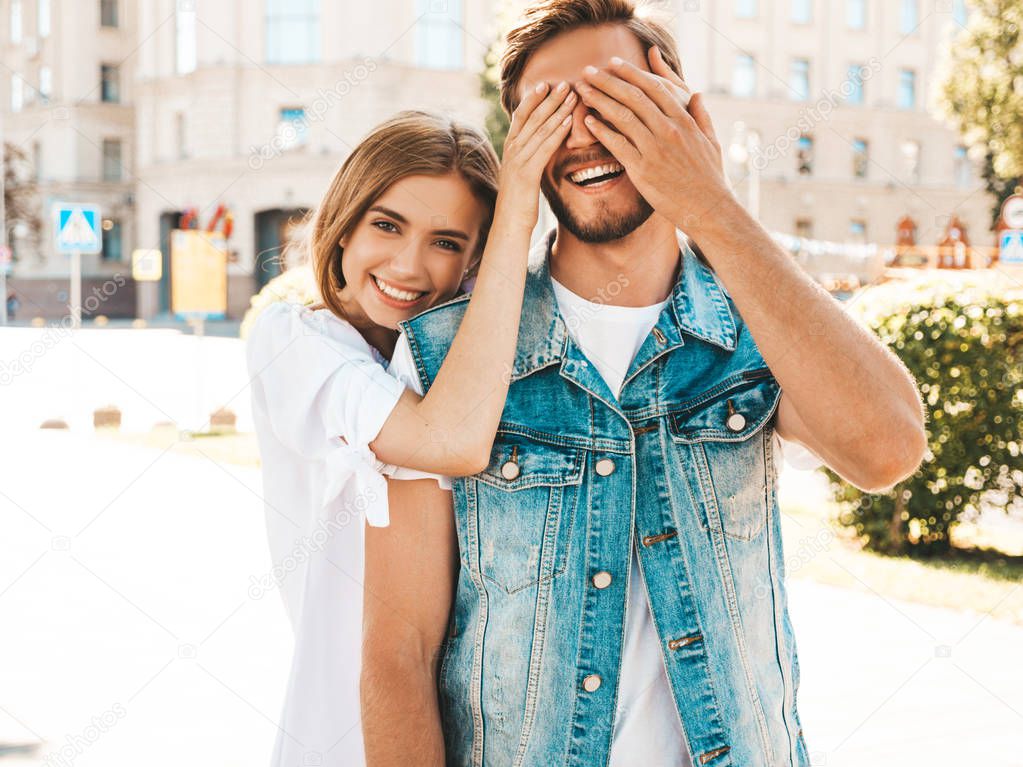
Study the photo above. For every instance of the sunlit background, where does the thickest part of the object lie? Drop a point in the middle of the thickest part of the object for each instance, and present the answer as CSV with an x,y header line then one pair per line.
x,y
878,140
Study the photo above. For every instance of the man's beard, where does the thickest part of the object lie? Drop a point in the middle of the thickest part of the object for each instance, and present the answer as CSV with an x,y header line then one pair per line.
x,y
605,226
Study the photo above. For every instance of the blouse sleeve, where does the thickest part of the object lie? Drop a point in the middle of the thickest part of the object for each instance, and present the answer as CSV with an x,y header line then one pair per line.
x,y
403,368
325,397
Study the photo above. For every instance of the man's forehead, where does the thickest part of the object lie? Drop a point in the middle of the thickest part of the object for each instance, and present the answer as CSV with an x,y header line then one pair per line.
x,y
565,56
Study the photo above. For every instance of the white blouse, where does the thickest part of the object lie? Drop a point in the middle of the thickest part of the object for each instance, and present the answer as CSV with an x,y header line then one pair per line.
x,y
320,395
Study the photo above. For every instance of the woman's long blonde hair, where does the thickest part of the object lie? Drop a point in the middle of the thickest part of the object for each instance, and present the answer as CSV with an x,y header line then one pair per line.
x,y
409,144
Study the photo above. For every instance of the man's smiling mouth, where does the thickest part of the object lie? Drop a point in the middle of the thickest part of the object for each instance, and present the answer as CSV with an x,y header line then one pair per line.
x,y
598,174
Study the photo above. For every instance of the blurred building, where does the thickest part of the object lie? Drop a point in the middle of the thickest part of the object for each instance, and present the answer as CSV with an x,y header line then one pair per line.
x,y
69,126
151,108
824,106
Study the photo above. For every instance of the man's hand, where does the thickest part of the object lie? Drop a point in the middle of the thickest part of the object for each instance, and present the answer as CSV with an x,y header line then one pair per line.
x,y
661,133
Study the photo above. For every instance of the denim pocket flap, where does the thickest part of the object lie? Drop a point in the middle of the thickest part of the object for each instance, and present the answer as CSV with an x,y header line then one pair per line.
x,y
518,462
731,412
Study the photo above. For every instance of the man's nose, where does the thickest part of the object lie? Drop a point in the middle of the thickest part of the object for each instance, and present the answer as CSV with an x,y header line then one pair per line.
x,y
579,137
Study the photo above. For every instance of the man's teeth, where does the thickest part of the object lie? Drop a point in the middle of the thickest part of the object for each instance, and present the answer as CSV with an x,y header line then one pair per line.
x,y
601,170
400,295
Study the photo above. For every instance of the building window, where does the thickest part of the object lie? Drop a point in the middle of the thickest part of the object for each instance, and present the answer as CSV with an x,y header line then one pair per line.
x,y
439,34
108,13
909,17
112,247
804,228
292,31
858,230
861,157
15,21
184,30
856,14
45,84
804,156
292,128
911,155
963,168
180,135
112,168
746,9
744,77
17,93
43,17
110,83
799,79
907,89
854,89
959,12
802,11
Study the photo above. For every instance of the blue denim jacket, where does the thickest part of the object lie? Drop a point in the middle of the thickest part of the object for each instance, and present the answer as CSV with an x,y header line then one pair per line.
x,y
683,463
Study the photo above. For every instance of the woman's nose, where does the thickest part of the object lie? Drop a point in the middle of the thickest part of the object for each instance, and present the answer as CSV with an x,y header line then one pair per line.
x,y
405,262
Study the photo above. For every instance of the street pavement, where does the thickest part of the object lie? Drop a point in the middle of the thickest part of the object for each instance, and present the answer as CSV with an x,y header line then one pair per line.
x,y
130,632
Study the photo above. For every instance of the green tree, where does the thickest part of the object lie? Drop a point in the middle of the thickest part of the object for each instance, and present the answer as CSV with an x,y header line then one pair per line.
x,y
497,122
21,202
981,91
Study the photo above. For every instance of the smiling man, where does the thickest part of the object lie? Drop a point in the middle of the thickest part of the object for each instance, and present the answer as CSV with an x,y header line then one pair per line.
x,y
610,589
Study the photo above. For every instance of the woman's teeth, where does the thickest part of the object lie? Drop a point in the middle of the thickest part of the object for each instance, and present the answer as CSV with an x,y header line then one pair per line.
x,y
395,293
588,174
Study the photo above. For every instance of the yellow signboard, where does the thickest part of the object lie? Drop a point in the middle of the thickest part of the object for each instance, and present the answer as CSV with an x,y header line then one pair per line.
x,y
198,274
146,265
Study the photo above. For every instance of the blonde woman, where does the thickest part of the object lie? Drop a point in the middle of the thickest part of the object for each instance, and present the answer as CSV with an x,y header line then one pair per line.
x,y
414,210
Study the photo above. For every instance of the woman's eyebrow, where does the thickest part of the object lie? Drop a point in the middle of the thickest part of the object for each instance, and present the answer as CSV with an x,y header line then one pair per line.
x,y
401,219
388,212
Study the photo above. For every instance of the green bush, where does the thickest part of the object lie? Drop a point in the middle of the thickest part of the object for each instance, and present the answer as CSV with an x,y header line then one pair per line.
x,y
961,336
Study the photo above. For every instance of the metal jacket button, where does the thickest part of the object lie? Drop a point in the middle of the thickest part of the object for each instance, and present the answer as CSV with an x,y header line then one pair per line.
x,y
602,579
591,683
510,470
605,466
736,422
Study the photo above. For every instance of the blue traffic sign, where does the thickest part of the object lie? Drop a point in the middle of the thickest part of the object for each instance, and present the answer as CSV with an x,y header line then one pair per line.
x,y
78,228
1011,250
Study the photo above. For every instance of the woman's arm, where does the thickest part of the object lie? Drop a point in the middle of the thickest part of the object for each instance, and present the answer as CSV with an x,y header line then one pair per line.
x,y
410,576
451,429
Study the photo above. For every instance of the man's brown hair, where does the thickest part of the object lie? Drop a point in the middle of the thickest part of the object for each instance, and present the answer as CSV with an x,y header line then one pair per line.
x,y
545,19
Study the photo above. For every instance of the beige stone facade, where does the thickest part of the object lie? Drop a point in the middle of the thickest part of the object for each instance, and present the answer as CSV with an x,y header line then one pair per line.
x,y
253,104
914,164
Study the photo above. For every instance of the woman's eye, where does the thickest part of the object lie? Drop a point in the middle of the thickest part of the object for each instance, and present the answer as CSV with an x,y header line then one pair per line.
x,y
450,245
385,226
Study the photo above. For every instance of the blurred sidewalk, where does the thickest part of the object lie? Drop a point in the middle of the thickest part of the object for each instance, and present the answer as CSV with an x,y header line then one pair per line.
x,y
152,375
124,587
130,634
129,629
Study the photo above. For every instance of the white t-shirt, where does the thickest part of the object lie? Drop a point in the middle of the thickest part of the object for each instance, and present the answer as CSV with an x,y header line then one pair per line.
x,y
646,728
314,381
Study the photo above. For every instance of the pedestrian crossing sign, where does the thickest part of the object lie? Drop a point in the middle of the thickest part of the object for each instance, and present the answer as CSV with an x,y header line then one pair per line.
x,y
78,228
